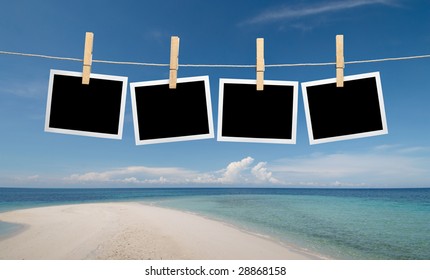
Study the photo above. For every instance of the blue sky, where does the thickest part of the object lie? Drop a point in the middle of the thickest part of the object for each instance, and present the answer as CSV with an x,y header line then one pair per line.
x,y
215,32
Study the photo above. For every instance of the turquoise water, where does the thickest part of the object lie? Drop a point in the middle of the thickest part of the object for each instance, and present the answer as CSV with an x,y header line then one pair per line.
x,y
341,224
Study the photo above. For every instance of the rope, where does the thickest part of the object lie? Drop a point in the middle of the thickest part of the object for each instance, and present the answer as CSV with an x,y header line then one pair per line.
x,y
216,65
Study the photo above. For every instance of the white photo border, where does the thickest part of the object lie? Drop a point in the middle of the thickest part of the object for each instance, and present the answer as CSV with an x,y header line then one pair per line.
x,y
384,129
122,79
222,138
209,135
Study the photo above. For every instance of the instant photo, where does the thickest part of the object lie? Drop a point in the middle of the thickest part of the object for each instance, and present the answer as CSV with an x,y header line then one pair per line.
x,y
163,115
248,115
95,110
341,113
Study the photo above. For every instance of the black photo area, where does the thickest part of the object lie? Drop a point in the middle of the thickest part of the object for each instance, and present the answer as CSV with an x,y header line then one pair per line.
x,y
337,111
92,108
167,113
249,113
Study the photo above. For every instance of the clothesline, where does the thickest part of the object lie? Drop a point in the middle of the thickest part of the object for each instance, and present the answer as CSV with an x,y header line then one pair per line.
x,y
216,65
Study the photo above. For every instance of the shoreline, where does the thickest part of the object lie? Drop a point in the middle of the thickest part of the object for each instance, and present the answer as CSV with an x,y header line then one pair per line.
x,y
134,230
289,245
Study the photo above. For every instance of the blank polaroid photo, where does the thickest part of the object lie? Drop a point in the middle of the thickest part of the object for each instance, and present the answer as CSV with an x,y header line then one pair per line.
x,y
164,115
95,110
342,113
248,115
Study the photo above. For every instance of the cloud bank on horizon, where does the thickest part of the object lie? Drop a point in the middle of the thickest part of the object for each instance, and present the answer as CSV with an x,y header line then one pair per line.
x,y
383,166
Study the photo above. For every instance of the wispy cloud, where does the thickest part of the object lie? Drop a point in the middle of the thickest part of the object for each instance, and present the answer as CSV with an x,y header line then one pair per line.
x,y
355,169
400,149
295,12
27,89
134,175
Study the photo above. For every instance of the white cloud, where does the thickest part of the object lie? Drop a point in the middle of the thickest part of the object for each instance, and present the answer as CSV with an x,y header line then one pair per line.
x,y
237,172
33,177
135,175
133,180
233,172
262,174
287,13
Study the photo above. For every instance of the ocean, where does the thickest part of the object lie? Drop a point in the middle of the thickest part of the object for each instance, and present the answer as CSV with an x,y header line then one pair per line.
x,y
335,223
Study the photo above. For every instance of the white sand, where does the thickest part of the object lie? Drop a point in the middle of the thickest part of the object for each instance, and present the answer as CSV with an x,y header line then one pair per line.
x,y
131,231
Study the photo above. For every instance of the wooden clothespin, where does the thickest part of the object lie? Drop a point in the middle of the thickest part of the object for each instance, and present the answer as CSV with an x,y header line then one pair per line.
x,y
88,58
340,61
260,64
174,61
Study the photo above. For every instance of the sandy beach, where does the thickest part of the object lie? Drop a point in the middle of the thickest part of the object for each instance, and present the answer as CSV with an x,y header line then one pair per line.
x,y
129,230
